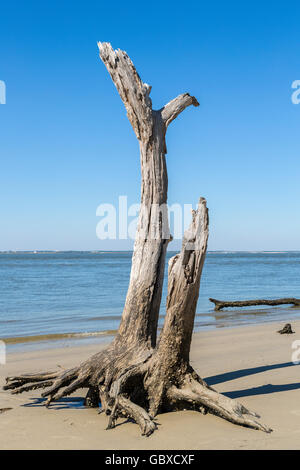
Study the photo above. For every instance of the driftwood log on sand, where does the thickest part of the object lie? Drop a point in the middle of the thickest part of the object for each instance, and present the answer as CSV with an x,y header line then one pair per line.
x,y
286,330
220,304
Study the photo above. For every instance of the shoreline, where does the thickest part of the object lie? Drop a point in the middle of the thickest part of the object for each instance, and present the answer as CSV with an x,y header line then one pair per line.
x,y
75,293
78,339
250,363
49,252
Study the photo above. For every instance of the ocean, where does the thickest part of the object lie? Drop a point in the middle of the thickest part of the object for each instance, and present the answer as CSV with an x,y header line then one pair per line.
x,y
48,299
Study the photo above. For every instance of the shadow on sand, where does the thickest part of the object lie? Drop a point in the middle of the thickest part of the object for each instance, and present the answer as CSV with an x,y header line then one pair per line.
x,y
261,390
63,403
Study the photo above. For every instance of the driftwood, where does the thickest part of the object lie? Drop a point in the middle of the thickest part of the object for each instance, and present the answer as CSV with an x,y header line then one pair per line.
x,y
137,375
220,304
286,330
2,410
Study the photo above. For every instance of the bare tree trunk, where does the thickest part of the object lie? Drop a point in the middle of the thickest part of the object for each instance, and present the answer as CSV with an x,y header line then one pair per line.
x,y
140,314
171,381
134,376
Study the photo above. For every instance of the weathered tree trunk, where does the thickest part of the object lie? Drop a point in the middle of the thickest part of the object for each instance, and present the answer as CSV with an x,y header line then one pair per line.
x,y
220,304
135,375
139,320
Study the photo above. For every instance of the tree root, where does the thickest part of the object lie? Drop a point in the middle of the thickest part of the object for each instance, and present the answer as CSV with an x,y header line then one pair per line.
x,y
138,414
132,393
54,380
196,393
15,383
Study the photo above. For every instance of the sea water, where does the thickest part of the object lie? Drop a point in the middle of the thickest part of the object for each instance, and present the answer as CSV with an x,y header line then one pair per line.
x,y
50,297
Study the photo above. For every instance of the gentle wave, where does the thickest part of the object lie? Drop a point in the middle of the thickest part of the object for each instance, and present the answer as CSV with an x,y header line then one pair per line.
x,y
56,336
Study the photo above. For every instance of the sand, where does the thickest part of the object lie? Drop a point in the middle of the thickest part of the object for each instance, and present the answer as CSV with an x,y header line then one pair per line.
x,y
251,363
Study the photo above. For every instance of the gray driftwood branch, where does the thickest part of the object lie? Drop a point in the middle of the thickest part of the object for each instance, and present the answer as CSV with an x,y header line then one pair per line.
x,y
220,304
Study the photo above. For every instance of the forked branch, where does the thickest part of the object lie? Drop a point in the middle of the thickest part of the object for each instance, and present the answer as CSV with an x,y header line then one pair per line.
x,y
171,110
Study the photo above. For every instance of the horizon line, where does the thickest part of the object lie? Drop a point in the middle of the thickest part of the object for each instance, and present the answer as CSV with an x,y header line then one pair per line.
x,y
131,251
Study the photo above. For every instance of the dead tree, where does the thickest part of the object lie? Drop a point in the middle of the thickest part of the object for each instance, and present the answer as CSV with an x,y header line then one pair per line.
x,y
220,304
137,375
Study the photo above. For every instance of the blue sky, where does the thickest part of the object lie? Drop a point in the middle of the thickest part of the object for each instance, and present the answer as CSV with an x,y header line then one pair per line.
x,y
67,146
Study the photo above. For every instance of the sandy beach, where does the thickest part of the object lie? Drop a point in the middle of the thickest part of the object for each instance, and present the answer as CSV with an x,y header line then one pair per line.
x,y
252,364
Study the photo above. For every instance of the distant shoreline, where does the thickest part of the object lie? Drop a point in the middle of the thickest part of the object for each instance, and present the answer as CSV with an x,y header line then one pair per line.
x,y
34,252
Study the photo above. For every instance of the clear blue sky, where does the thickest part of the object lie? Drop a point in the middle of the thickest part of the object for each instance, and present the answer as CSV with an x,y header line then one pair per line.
x,y
67,146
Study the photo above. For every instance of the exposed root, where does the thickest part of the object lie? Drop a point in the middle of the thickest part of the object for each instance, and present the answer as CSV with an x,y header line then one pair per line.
x,y
69,379
17,381
118,385
34,386
137,391
54,380
92,398
134,411
78,383
115,385
196,393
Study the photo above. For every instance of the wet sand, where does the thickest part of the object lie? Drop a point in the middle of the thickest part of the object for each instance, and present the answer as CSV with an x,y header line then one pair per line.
x,y
251,364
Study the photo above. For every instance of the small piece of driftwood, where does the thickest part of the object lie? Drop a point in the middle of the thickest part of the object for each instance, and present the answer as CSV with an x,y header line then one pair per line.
x,y
286,330
219,304
2,410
